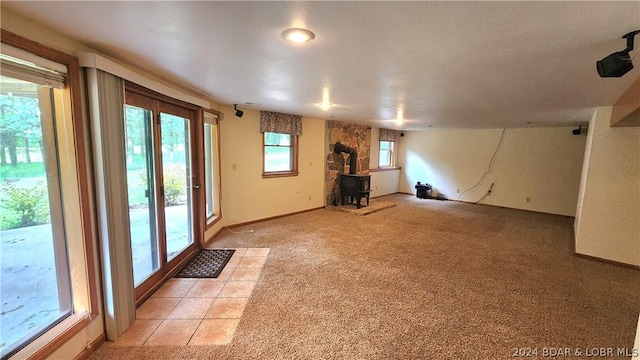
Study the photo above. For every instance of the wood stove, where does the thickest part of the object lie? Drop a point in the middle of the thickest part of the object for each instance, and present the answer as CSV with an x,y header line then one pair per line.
x,y
355,187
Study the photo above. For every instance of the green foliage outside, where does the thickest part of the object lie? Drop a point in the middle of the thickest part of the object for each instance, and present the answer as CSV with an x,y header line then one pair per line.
x,y
22,158
21,170
24,206
174,185
277,139
20,128
174,134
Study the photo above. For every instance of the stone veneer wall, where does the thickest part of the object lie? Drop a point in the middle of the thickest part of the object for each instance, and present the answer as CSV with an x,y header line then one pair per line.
x,y
351,135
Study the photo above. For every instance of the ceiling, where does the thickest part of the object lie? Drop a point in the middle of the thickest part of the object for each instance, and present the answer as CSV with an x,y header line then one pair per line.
x,y
445,64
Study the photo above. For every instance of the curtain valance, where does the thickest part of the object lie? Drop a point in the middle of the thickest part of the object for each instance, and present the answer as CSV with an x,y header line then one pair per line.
x,y
280,123
388,135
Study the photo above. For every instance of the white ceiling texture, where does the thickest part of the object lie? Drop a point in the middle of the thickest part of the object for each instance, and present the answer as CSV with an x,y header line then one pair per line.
x,y
444,64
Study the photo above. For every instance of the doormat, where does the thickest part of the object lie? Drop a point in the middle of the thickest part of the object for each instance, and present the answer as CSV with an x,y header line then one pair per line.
x,y
207,264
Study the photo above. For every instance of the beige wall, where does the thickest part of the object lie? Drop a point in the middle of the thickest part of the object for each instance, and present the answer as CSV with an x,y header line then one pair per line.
x,y
608,219
375,148
246,196
542,164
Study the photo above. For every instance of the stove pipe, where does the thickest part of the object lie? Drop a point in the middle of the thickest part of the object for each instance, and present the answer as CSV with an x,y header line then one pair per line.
x,y
353,155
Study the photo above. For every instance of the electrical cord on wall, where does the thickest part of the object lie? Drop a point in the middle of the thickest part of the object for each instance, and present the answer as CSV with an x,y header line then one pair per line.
x,y
493,157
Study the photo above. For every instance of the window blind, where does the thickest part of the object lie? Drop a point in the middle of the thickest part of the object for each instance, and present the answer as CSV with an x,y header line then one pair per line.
x,y
210,118
22,65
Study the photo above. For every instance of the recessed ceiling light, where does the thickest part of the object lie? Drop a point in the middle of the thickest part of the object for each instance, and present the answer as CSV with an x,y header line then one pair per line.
x,y
298,35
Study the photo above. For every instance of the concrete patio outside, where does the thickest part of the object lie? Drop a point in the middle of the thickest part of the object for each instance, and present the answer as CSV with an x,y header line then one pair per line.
x,y
28,285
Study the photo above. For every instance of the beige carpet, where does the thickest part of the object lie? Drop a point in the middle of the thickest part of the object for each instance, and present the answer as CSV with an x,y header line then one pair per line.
x,y
426,279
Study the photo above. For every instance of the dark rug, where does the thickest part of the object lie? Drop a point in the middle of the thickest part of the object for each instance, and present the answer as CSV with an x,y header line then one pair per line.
x,y
207,264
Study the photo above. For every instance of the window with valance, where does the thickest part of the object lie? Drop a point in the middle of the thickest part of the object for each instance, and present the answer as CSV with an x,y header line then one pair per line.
x,y
280,143
387,145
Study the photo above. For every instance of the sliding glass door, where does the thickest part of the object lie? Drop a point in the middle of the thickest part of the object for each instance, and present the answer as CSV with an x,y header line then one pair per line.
x,y
159,150
176,177
141,190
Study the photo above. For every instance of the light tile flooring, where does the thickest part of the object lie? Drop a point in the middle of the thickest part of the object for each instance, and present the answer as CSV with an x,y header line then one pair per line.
x,y
198,311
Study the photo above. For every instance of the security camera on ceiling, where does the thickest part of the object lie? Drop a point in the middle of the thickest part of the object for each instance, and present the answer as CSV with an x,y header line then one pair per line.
x,y
239,113
618,63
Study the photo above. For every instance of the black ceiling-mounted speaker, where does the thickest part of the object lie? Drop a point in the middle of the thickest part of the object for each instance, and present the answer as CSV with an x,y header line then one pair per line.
x,y
618,63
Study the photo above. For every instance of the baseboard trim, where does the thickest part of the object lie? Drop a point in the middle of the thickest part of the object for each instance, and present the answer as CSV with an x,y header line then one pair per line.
x,y
91,347
258,221
215,235
511,208
273,217
607,261
379,196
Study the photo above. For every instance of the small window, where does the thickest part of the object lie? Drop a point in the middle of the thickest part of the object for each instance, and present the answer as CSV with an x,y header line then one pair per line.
x,y
280,155
211,161
386,153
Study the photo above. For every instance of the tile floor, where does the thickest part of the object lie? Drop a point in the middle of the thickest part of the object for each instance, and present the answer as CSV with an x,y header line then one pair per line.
x,y
198,311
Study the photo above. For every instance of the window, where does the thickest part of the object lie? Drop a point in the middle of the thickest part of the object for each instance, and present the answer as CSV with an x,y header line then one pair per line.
x,y
280,155
211,161
36,290
43,191
386,153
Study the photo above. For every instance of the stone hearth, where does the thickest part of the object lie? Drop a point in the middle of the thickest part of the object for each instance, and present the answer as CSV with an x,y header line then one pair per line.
x,y
351,135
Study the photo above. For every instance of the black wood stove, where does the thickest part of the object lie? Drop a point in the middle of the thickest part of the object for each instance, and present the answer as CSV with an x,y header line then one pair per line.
x,y
355,187
352,185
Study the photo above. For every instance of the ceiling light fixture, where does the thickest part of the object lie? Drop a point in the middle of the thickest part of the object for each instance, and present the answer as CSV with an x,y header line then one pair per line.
x,y
325,106
298,35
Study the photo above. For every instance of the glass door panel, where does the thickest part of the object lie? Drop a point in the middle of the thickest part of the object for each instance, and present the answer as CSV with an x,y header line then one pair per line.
x,y
145,246
176,176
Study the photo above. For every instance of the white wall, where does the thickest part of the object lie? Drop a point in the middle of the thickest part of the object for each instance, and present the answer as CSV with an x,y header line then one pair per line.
x,y
608,218
384,182
246,196
541,164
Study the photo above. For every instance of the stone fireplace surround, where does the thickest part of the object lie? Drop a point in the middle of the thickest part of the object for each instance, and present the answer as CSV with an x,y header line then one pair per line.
x,y
351,135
